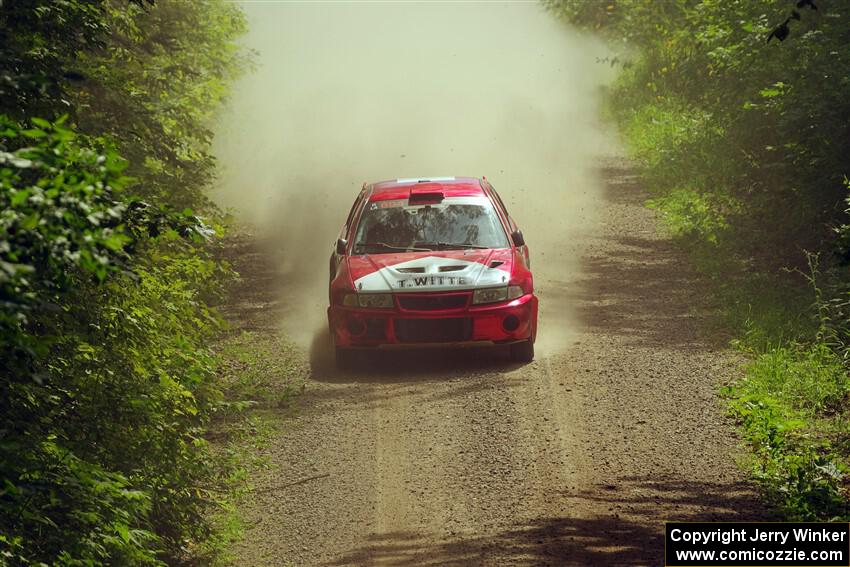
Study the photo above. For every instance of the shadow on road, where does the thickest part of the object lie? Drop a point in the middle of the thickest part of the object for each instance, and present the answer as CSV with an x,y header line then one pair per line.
x,y
639,285
252,303
623,537
408,365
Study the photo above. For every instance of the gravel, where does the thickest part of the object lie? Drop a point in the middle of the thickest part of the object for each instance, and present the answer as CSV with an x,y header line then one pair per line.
x,y
463,458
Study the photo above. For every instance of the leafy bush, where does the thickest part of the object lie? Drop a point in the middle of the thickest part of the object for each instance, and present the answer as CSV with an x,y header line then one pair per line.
x,y
781,403
709,106
740,130
107,381
691,215
155,87
64,227
105,375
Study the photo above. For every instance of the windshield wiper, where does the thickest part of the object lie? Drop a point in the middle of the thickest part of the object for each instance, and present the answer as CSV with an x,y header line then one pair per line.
x,y
386,246
453,245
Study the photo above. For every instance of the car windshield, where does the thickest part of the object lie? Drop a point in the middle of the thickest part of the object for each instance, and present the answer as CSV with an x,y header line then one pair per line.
x,y
453,223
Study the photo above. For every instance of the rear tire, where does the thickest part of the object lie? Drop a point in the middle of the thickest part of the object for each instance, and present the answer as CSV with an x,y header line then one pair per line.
x,y
522,352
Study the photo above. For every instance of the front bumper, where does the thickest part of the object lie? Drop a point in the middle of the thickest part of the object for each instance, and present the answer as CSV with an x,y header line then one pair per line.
x,y
505,322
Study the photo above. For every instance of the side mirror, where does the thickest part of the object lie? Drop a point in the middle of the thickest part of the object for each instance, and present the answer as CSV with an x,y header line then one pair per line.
x,y
518,239
341,245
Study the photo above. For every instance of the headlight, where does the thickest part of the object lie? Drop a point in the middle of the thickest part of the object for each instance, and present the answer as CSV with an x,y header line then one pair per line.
x,y
514,291
490,295
349,300
376,300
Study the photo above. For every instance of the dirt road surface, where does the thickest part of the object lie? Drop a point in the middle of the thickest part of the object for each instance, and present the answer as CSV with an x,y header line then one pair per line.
x,y
463,458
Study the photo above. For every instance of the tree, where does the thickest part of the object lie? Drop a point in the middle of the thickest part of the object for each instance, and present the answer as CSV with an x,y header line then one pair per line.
x,y
106,379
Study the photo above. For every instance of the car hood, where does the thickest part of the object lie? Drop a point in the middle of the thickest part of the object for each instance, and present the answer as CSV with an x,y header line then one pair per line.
x,y
430,271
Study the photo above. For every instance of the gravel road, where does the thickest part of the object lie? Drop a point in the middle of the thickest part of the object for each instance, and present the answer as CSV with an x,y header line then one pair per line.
x,y
463,458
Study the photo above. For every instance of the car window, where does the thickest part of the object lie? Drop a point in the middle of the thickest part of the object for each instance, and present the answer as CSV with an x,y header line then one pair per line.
x,y
348,220
457,222
504,208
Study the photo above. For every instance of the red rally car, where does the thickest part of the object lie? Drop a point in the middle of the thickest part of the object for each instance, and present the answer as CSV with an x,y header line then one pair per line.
x,y
431,261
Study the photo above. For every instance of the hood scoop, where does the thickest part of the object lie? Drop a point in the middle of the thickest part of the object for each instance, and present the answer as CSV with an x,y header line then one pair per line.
x,y
440,272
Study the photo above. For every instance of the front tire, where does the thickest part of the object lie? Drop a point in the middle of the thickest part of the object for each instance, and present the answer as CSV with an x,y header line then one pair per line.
x,y
523,352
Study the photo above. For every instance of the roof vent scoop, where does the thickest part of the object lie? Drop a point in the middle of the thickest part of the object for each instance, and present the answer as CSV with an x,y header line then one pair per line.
x,y
432,194
496,263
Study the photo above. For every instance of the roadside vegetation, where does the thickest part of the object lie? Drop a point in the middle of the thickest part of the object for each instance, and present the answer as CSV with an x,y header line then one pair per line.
x,y
109,383
260,375
738,115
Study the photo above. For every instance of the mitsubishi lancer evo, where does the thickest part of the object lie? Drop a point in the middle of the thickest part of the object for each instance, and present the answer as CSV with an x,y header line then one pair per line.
x,y
436,261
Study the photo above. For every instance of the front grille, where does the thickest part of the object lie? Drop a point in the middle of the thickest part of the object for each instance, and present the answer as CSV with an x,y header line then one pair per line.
x,y
376,328
433,330
433,302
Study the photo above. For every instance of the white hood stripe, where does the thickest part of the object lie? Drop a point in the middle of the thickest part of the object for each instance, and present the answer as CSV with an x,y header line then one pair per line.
x,y
401,278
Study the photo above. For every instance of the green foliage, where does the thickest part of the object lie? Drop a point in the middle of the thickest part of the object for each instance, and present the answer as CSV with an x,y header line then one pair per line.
x,y
39,45
712,108
745,144
692,215
798,453
155,88
260,375
64,230
261,369
842,231
810,382
62,220
107,381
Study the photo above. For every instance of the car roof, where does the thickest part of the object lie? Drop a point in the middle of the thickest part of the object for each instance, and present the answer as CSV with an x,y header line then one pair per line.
x,y
448,186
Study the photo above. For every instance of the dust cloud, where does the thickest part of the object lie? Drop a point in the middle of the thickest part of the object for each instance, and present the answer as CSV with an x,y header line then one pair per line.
x,y
346,92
